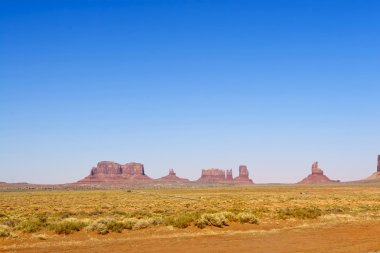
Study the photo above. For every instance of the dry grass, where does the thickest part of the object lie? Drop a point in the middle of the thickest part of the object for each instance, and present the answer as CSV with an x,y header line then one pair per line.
x,y
105,211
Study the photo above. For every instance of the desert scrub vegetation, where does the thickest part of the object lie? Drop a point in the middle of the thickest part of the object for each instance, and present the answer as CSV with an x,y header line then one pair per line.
x,y
224,218
4,231
182,220
113,211
212,219
31,225
247,218
301,213
67,226
105,225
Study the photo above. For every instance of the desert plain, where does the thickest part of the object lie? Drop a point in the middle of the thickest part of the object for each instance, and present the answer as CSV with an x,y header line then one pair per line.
x,y
341,217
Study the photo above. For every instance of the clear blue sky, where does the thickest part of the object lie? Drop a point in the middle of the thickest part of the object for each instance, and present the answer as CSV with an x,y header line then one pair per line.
x,y
275,85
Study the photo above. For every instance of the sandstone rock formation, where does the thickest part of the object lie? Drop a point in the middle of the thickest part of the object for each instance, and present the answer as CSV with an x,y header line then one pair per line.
x,y
316,176
213,176
114,173
243,177
376,175
172,177
225,176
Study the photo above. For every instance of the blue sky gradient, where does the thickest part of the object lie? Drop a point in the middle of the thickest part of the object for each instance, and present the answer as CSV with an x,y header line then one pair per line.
x,y
275,85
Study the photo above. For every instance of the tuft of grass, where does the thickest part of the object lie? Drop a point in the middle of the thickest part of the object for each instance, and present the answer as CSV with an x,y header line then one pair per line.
x,y
247,218
139,214
67,226
4,231
299,213
66,214
95,213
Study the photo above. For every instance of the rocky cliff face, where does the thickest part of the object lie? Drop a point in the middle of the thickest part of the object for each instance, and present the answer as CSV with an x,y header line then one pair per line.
x,y
243,177
172,177
316,176
225,176
111,172
376,175
212,176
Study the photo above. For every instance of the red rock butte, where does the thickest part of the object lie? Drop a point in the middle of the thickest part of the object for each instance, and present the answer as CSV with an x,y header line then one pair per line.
x,y
225,176
316,176
243,177
376,175
114,173
172,177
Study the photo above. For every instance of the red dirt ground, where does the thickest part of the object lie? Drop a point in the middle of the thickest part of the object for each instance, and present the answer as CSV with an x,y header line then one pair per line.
x,y
353,237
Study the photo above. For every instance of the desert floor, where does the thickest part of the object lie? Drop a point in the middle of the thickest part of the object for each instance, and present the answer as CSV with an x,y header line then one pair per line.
x,y
331,218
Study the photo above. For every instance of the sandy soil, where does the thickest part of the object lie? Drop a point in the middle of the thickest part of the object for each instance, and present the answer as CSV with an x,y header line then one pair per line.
x,y
315,237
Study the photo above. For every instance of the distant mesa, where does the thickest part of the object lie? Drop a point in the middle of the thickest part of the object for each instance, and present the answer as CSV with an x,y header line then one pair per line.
x,y
376,175
172,177
213,176
316,176
114,173
225,176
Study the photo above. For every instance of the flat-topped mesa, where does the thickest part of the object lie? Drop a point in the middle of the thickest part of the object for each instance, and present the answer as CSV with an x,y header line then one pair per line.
x,y
111,172
213,176
225,176
243,177
172,177
316,176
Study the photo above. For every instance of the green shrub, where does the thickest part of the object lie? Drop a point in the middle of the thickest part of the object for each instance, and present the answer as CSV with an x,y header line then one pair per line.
x,y
247,218
141,223
212,219
99,228
155,221
105,225
130,222
67,226
4,231
299,213
31,225
229,216
180,221
115,226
